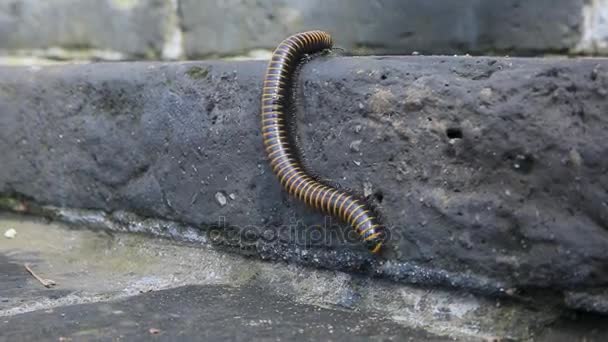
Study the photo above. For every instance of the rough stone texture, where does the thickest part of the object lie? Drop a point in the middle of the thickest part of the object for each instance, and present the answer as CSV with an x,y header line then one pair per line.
x,y
492,174
134,28
592,301
387,26
209,313
95,267
100,278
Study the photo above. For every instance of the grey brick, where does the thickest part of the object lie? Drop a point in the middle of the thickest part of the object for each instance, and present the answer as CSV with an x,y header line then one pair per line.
x,y
387,26
135,28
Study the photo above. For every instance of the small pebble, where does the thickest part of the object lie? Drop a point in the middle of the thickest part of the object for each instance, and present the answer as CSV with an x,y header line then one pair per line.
x,y
10,234
356,162
575,157
358,128
367,189
232,196
355,145
485,94
220,198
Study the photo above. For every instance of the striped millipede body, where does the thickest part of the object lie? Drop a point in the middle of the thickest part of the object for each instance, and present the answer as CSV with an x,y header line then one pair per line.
x,y
276,100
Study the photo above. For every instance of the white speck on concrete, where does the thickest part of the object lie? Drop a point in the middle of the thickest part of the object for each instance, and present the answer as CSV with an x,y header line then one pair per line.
x,y
220,198
10,233
367,189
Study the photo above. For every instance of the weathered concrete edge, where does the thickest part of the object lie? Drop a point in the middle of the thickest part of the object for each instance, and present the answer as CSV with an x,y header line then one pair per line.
x,y
463,314
127,222
399,272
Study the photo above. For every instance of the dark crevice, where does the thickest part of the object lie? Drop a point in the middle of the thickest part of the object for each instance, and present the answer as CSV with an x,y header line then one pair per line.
x,y
454,133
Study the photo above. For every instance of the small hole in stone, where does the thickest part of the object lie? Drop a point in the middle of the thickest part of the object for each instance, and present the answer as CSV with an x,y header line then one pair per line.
x,y
454,133
383,77
379,196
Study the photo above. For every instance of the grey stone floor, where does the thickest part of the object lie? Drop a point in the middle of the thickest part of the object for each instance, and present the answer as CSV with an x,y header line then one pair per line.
x,y
209,313
130,287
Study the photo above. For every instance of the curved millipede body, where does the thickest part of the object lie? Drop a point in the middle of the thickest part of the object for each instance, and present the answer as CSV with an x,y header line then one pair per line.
x,y
278,85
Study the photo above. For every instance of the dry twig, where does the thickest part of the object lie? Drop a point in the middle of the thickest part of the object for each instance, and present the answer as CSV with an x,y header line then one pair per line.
x,y
45,282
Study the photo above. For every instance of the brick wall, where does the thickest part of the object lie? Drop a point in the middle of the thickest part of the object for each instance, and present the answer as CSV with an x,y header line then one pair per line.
x,y
193,29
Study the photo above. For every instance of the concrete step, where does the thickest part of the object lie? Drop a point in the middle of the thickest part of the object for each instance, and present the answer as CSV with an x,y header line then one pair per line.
x,y
491,173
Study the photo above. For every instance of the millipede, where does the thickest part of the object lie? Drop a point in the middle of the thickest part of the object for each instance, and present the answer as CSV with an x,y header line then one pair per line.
x,y
282,154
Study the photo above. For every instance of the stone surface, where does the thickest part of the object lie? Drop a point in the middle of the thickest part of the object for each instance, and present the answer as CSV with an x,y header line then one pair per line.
x,y
124,28
108,285
95,267
386,27
209,313
591,300
490,173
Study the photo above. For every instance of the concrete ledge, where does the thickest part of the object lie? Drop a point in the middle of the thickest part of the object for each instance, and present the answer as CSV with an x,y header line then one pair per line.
x,y
491,173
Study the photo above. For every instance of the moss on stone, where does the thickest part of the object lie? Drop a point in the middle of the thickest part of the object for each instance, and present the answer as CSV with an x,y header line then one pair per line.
x,y
197,72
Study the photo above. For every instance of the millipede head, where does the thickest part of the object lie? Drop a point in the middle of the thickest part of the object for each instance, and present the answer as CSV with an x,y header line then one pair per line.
x,y
375,241
376,249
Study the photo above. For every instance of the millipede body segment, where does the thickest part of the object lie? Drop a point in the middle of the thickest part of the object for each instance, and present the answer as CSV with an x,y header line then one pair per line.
x,y
276,100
